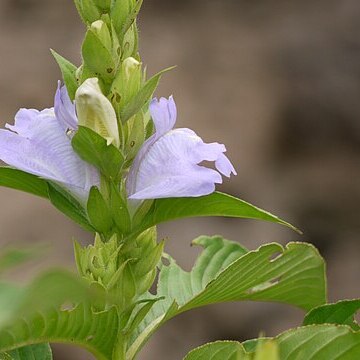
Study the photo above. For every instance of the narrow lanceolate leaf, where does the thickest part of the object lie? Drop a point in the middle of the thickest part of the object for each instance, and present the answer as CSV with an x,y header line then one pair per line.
x,y
31,352
341,313
93,148
68,71
20,180
316,342
226,272
99,212
69,206
216,204
142,97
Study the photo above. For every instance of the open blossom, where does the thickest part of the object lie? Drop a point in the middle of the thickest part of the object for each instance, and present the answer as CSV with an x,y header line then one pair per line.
x,y
39,143
167,165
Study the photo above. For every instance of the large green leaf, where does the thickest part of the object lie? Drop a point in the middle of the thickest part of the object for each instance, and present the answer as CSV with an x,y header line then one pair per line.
x,y
341,313
20,180
232,350
316,342
220,350
31,352
226,272
216,204
33,315
94,331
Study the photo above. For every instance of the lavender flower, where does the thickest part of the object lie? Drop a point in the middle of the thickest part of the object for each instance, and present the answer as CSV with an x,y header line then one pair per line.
x,y
167,165
39,143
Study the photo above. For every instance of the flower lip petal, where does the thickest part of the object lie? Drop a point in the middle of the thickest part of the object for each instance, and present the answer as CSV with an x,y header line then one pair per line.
x,y
163,113
38,144
168,163
224,165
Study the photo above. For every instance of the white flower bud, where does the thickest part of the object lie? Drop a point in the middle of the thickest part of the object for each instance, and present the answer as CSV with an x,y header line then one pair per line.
x,y
95,111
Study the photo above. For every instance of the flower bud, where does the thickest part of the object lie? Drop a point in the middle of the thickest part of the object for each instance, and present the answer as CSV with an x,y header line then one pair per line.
x,y
95,111
98,262
102,32
129,82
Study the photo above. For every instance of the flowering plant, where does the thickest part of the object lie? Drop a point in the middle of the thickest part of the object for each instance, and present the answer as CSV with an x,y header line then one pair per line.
x,y
109,157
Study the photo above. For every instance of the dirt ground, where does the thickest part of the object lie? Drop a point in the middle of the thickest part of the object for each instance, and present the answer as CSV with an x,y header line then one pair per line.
x,y
278,82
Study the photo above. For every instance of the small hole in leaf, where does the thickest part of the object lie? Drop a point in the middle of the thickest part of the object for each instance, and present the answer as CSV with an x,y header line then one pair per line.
x,y
89,338
67,306
276,255
109,70
264,285
357,317
165,261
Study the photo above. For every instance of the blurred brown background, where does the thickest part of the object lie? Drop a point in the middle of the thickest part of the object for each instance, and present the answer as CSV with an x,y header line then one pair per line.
x,y
277,81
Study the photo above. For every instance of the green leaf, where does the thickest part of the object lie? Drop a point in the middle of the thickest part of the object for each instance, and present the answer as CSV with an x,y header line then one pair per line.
x,y
220,350
87,11
341,313
97,57
68,205
31,352
20,180
142,97
68,71
119,12
232,350
33,315
215,204
99,212
104,5
119,210
50,289
93,148
315,342
82,326
130,19
226,272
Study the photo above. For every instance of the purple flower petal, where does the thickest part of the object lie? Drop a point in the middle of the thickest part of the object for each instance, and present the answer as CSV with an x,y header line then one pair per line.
x,y
38,144
167,165
65,109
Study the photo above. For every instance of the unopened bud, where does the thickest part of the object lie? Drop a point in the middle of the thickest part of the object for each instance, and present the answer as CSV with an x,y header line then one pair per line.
x,y
102,32
95,111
